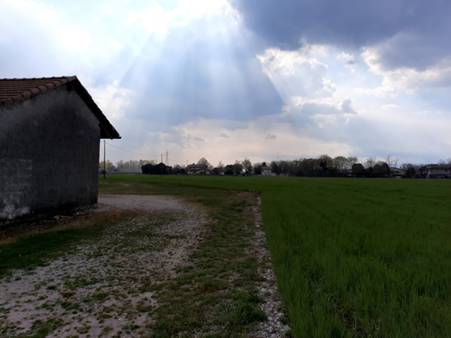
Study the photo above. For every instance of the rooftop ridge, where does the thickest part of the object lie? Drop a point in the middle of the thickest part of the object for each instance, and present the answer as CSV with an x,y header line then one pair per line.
x,y
37,78
15,90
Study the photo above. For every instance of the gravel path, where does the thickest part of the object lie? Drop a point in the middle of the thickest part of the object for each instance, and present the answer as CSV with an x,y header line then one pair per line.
x,y
274,326
105,287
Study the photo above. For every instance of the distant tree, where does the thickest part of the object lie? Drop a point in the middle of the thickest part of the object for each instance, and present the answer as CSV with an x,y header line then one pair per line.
x,y
247,166
157,169
178,170
203,164
109,166
284,167
392,162
358,170
217,171
370,162
409,171
326,162
351,161
295,168
381,169
147,169
257,168
326,166
237,168
340,163
275,168
229,170
309,167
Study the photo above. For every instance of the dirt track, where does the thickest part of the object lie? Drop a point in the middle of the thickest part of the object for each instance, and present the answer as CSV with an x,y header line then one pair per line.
x,y
105,287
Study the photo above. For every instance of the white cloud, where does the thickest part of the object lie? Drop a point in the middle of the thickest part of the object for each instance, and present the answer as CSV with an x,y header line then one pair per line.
x,y
184,75
409,78
307,108
157,19
113,100
43,41
297,73
261,140
346,57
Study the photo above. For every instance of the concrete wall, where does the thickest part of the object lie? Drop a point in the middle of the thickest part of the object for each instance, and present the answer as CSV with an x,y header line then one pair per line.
x,y
49,153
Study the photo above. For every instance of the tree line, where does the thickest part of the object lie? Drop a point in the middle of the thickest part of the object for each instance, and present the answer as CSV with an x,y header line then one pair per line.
x,y
322,166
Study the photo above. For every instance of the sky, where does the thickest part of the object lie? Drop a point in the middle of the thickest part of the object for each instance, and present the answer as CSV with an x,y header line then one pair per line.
x,y
258,79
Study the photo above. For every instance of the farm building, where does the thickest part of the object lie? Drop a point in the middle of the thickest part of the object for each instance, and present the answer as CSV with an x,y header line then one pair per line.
x,y
157,169
266,171
436,171
49,145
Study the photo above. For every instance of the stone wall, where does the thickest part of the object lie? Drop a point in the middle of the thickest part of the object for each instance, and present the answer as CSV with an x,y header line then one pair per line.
x,y
49,152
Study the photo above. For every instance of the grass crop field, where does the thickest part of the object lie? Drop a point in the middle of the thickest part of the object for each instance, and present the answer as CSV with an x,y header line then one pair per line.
x,y
353,258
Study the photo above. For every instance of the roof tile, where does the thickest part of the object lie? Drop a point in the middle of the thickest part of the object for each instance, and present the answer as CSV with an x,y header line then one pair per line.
x,y
16,90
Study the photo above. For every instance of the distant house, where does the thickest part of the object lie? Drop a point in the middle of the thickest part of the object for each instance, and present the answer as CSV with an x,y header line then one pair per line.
x,y
266,171
49,145
156,169
197,169
127,170
397,172
436,171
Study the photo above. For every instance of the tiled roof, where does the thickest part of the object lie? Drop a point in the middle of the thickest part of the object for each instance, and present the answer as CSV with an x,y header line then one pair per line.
x,y
17,90
13,91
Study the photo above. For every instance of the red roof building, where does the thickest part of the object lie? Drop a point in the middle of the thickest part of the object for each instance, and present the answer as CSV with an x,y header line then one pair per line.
x,y
49,145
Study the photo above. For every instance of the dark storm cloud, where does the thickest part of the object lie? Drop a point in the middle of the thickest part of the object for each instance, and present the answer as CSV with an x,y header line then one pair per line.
x,y
419,29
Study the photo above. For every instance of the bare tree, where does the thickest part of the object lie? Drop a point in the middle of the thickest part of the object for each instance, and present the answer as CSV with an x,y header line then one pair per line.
x,y
326,161
351,161
392,162
203,164
247,166
341,163
370,162
358,170
381,169
109,166
237,168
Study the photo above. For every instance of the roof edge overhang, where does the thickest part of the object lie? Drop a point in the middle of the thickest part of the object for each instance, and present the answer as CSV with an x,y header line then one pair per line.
x,y
107,131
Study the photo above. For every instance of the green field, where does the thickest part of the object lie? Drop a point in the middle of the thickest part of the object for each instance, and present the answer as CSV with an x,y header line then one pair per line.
x,y
353,258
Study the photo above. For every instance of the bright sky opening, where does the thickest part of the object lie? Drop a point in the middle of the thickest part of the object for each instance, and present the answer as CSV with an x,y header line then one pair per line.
x,y
264,80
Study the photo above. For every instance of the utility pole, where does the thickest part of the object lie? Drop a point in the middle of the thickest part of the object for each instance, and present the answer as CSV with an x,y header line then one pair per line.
x,y
104,159
167,157
161,158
